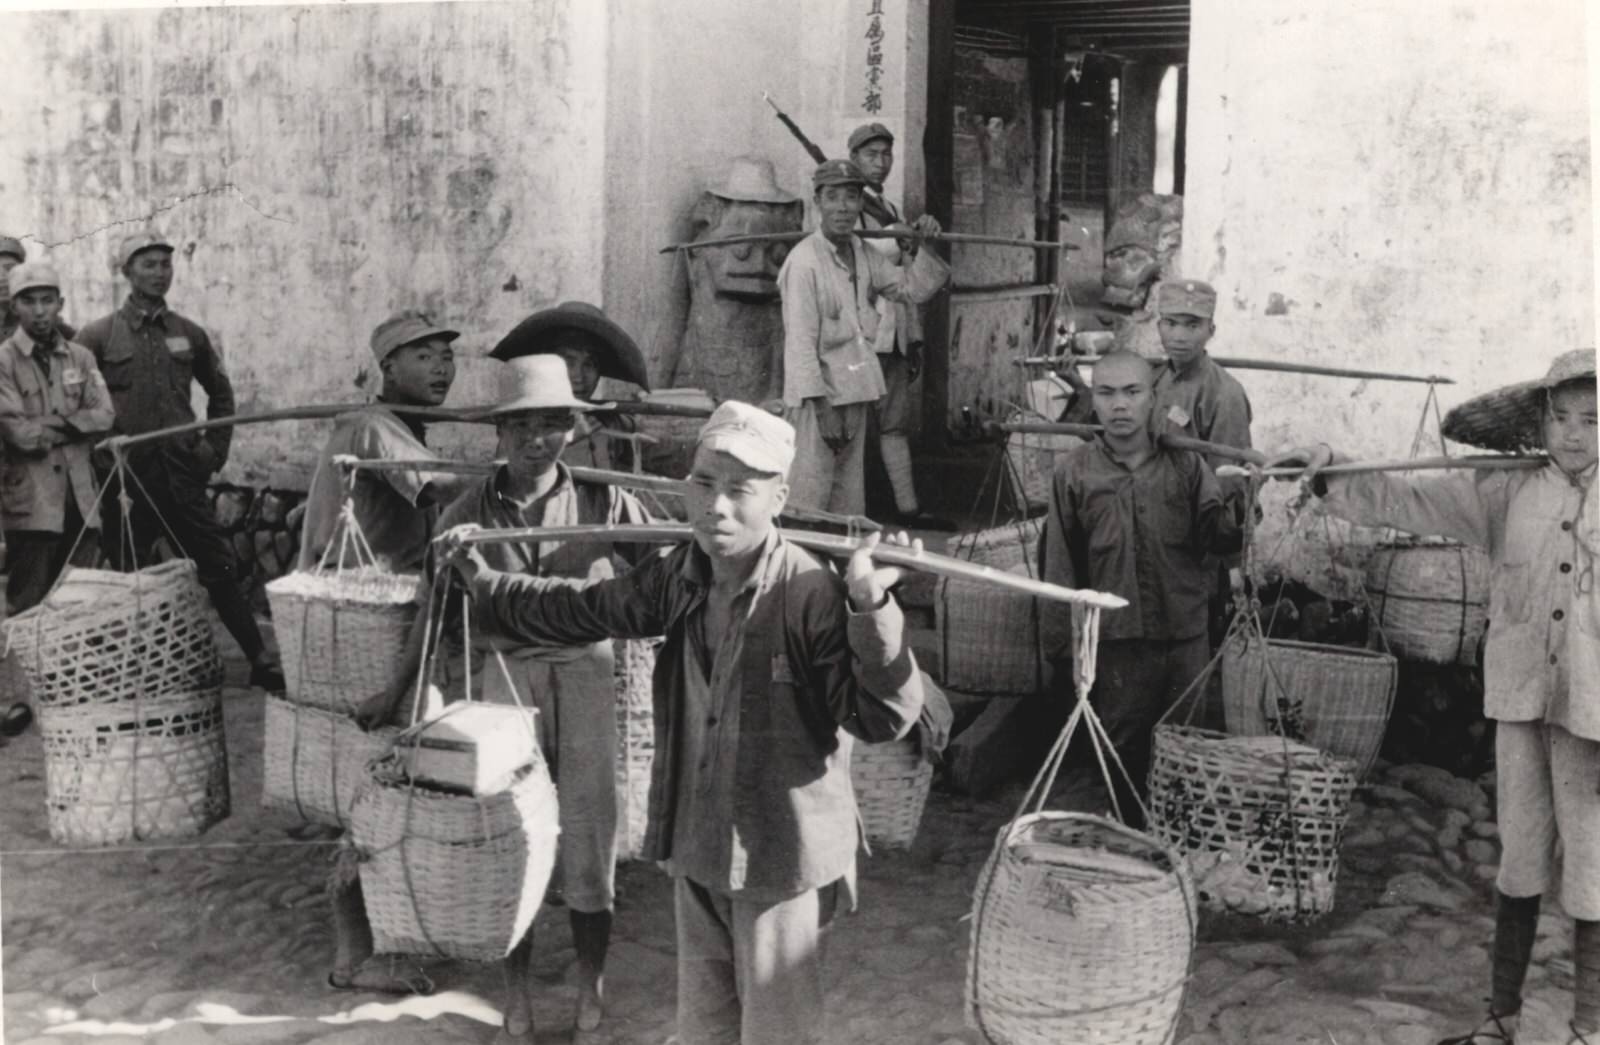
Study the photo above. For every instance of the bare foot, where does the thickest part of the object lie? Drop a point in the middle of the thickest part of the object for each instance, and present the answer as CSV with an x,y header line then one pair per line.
x,y
591,989
382,976
515,1029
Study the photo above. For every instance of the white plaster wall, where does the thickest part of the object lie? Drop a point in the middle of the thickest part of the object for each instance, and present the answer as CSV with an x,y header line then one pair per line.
x,y
318,168
1390,186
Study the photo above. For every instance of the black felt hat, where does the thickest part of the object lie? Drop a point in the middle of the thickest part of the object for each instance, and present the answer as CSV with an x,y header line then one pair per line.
x,y
619,357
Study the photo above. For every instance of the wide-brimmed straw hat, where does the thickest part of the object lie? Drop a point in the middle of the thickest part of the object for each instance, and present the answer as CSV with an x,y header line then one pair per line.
x,y
536,383
1511,419
619,357
751,180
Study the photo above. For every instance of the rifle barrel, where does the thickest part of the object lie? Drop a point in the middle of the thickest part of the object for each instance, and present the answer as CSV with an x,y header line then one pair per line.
x,y
897,555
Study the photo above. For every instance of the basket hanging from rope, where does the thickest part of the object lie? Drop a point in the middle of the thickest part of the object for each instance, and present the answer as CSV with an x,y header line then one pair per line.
x,y
314,761
1033,456
891,782
142,770
104,637
1083,929
1334,697
342,632
989,638
636,742
1260,819
1431,598
447,874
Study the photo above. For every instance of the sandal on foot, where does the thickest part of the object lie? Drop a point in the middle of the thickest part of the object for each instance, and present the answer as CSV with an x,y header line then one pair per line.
x,y
370,980
1494,1030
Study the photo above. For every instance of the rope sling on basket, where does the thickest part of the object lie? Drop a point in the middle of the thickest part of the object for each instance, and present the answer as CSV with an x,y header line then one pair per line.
x,y
342,632
1083,929
447,874
128,681
1430,596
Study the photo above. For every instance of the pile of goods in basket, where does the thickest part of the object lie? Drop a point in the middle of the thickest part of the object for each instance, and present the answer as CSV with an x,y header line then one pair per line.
x,y
457,833
128,682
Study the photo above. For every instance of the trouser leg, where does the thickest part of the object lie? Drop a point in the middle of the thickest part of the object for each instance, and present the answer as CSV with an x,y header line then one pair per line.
x,y
778,963
848,495
811,477
708,988
1516,924
894,417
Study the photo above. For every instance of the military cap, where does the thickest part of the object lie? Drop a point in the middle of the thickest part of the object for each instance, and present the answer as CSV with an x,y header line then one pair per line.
x,y
1186,297
137,243
750,435
13,246
869,132
404,328
837,172
31,275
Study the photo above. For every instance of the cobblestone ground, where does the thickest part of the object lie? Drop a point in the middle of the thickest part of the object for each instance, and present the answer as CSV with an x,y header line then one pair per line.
x,y
231,945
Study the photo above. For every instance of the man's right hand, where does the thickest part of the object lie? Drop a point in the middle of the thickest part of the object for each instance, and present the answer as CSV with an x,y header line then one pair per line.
x,y
456,553
830,423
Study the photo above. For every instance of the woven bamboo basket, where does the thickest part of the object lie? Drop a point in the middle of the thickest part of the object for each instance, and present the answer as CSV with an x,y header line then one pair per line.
x,y
1431,599
891,782
1082,931
1002,547
1259,819
341,634
636,743
989,639
105,637
453,876
1033,460
134,771
1333,697
314,761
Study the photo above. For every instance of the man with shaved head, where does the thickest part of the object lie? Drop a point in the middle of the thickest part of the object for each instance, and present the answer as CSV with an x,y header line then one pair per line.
x,y
1132,517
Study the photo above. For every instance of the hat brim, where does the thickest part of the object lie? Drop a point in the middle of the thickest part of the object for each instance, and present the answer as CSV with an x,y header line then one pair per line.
x,y
739,449
1508,420
424,335
621,358
746,196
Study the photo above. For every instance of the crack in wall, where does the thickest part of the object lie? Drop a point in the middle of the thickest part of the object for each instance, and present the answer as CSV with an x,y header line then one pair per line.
x,y
216,190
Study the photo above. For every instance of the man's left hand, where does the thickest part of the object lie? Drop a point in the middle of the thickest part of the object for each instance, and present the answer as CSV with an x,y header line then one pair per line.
x,y
456,553
868,584
926,226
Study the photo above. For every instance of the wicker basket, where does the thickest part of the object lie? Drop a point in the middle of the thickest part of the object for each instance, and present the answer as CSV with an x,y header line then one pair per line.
x,y
989,641
1033,460
449,875
342,634
1259,818
138,770
1014,544
891,783
636,743
1332,697
1431,599
1082,931
103,636
314,761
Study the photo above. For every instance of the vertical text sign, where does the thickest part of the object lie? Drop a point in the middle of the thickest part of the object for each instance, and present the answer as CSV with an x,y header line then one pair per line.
x,y
874,100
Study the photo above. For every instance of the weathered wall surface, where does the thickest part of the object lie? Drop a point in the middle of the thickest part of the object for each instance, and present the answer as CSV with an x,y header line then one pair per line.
x,y
318,167
1403,187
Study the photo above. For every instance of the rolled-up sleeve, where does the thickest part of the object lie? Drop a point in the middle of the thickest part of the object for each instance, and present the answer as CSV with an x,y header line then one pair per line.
x,y
915,283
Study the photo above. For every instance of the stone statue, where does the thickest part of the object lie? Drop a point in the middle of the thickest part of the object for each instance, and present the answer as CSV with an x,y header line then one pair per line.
x,y
1143,248
733,343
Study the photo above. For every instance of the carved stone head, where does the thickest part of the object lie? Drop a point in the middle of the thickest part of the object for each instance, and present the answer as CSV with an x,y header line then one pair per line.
x,y
749,201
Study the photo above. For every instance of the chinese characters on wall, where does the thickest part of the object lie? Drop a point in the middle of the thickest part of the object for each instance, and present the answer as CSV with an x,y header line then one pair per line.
x,y
874,99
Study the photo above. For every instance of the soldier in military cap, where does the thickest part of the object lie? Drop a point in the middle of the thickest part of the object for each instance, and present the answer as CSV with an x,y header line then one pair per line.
x,y
150,356
12,254
831,285
1194,394
899,342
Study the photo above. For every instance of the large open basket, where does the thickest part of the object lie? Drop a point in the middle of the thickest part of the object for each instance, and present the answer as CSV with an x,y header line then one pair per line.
x,y
1082,931
989,638
636,742
1334,697
450,875
314,761
103,637
1430,598
155,768
342,634
1260,819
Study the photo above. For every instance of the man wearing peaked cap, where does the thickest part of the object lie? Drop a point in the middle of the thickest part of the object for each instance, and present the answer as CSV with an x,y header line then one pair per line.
x,y
12,254
572,685
772,666
150,357
395,510
899,342
831,285
53,408
1541,654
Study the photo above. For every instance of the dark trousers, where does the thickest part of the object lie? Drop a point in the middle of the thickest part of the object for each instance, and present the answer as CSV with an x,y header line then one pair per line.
x,y
35,558
169,499
1136,681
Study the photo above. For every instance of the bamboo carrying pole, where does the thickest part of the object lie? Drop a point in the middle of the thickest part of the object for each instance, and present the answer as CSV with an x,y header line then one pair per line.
x,y
325,411
891,554
972,238
602,476
1418,464
1083,431
1280,366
